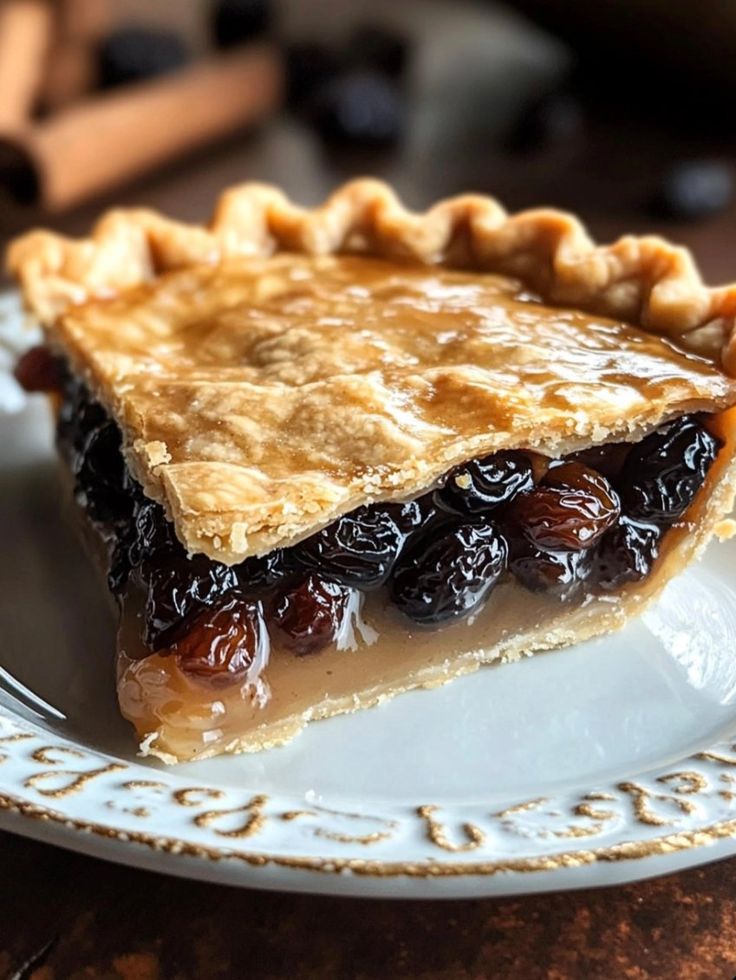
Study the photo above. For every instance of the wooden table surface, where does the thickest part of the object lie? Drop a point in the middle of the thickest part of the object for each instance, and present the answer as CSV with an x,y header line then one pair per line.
x,y
66,916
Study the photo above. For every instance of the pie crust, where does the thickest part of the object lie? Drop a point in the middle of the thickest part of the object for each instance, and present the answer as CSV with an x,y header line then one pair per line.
x,y
117,302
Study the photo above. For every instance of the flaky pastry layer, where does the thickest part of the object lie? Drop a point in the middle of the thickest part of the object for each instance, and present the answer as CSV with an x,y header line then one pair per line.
x,y
255,445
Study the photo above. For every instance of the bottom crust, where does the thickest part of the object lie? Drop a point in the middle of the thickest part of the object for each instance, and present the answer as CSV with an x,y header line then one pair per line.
x,y
178,720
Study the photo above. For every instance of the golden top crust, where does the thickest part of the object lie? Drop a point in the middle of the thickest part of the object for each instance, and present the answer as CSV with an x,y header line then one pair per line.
x,y
260,397
644,280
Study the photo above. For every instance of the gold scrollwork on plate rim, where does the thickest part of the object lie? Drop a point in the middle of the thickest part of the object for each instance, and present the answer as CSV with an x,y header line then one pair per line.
x,y
653,802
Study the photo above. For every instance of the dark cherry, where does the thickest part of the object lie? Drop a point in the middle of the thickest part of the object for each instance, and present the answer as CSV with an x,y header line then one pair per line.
x,y
358,549
265,571
39,370
482,484
178,589
439,579
223,642
626,554
558,573
378,47
572,509
308,614
665,470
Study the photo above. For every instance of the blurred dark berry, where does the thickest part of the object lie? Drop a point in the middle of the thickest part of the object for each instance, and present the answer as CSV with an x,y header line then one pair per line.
x,y
133,54
236,21
377,47
308,68
694,189
39,370
361,108
552,119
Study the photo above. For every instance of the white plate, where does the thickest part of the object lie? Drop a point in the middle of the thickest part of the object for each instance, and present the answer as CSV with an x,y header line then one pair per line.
x,y
604,763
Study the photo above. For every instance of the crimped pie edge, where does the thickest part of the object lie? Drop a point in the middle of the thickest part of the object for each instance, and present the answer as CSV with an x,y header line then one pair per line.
x,y
644,280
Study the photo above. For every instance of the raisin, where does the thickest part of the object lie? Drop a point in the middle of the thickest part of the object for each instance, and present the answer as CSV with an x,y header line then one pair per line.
x,y
572,509
178,589
626,554
665,470
608,460
558,573
411,515
224,643
359,549
265,571
483,484
39,370
441,579
153,534
78,415
309,614
99,472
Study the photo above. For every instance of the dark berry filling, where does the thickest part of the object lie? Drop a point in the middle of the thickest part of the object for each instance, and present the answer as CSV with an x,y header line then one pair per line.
x,y
309,612
557,573
223,643
482,484
358,549
584,525
442,577
662,473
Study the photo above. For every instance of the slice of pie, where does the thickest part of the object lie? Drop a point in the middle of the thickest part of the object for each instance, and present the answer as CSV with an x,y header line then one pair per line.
x,y
328,456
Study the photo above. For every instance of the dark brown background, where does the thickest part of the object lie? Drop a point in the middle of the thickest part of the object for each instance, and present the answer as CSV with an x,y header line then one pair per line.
x,y
82,918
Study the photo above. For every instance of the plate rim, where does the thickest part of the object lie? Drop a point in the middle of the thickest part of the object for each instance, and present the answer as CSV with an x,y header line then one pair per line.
x,y
681,832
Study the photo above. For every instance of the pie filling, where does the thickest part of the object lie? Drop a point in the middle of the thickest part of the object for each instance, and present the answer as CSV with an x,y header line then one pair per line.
x,y
200,638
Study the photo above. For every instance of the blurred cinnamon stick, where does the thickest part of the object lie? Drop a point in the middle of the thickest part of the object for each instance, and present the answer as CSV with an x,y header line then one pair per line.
x,y
71,70
26,28
103,141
